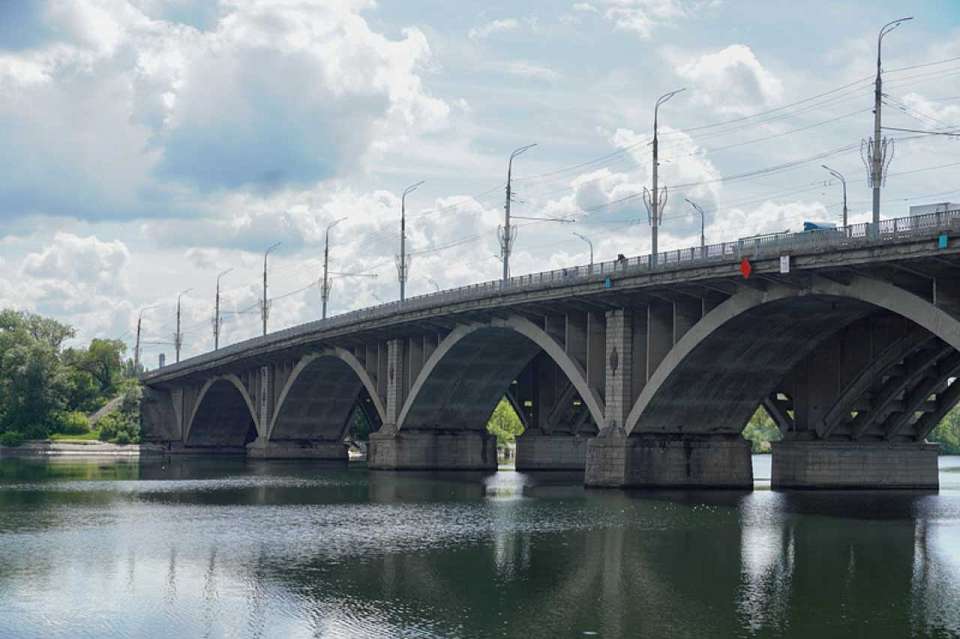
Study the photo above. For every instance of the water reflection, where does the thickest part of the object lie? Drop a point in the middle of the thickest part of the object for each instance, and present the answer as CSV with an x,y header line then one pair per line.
x,y
270,549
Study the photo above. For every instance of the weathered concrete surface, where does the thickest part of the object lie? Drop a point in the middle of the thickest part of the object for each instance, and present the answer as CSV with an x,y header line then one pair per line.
x,y
551,452
298,449
861,465
432,450
669,462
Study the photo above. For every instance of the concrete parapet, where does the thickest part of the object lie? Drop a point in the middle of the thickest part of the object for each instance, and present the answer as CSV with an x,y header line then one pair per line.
x,y
551,452
854,465
669,461
297,449
432,450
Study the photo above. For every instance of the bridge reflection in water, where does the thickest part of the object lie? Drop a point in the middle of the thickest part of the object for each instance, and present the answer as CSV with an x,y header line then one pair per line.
x,y
280,549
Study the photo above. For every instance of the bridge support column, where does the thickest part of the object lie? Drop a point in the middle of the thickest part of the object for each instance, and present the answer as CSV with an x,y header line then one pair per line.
x,y
431,450
669,461
554,451
854,465
297,449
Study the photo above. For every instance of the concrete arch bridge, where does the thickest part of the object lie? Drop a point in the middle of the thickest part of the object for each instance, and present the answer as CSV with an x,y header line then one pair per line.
x,y
642,372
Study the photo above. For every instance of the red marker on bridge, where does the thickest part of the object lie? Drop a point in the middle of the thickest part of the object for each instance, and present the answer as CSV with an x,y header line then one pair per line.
x,y
745,268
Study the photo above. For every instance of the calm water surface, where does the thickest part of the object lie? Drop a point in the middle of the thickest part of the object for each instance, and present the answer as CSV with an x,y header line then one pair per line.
x,y
274,549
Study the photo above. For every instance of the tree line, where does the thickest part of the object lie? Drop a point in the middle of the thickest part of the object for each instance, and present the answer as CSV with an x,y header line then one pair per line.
x,y
47,389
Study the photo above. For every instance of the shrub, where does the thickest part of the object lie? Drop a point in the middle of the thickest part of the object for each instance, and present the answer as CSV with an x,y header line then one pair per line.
x,y
108,425
122,437
11,438
72,423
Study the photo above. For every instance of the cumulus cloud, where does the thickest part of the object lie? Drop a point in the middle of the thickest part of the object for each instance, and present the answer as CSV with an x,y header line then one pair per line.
x,y
641,16
494,26
114,109
731,80
85,260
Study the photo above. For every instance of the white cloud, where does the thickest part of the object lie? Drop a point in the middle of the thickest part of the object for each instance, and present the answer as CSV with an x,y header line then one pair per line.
x,y
87,261
731,80
643,16
492,27
525,69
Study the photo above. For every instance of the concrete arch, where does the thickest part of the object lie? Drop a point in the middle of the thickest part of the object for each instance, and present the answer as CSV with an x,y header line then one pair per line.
x,y
344,362
863,291
237,385
517,339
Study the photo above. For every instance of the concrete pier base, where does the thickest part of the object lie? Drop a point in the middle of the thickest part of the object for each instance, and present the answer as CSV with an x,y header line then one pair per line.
x,y
669,461
298,449
854,465
432,450
551,452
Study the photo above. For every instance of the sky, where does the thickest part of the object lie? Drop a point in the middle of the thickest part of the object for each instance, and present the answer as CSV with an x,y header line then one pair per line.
x,y
148,145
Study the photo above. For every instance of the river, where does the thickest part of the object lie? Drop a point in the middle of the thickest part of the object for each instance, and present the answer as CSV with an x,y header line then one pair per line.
x,y
233,548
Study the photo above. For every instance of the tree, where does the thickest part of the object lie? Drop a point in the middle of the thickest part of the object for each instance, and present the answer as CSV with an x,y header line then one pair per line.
x,y
947,433
32,380
102,360
761,431
504,423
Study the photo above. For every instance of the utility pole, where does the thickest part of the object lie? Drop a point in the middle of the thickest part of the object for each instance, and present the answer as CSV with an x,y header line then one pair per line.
x,y
178,336
587,240
265,302
696,207
216,312
656,200
325,285
136,348
878,152
843,181
508,234
403,263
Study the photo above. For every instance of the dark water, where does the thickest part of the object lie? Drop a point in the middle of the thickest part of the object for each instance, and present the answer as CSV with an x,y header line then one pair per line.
x,y
270,549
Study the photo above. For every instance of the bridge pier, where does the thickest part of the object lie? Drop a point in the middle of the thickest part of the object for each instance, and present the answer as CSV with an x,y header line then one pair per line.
x,y
297,449
426,449
554,451
854,465
668,461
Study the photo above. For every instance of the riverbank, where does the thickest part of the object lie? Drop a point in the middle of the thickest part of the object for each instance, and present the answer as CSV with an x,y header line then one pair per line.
x,y
78,448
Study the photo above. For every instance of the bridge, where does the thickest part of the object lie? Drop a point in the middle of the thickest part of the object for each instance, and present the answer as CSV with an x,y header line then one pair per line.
x,y
640,371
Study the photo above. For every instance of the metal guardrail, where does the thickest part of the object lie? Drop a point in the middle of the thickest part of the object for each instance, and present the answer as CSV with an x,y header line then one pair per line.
x,y
757,247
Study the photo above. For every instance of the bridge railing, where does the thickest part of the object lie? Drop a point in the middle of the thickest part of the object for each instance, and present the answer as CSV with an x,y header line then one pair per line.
x,y
757,247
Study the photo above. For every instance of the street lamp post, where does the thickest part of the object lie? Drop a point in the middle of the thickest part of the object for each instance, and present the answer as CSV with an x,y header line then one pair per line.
x,y
136,348
877,152
843,182
325,285
178,336
696,207
589,243
508,234
216,312
402,263
265,303
656,200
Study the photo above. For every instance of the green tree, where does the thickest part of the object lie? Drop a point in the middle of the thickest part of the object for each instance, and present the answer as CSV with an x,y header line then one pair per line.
x,y
947,433
760,431
32,379
103,361
504,423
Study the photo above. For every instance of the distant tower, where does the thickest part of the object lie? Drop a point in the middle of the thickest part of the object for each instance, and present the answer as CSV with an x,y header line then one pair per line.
x,y
163,360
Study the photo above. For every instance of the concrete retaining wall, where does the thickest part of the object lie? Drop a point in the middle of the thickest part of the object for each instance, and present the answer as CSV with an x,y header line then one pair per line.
x,y
432,450
854,465
298,449
669,462
551,452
